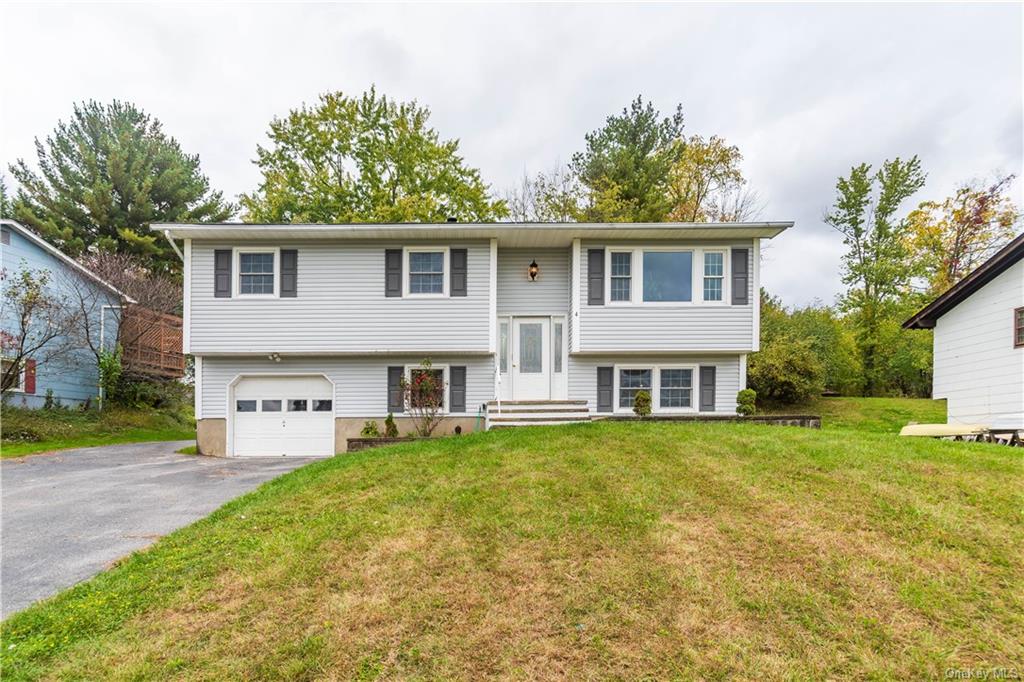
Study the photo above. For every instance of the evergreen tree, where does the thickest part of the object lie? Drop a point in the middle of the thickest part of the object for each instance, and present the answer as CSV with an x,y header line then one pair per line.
x,y
627,165
104,176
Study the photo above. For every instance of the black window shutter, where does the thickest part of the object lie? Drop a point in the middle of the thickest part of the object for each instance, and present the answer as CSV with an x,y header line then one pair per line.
x,y
740,276
707,389
459,258
395,398
289,273
457,388
605,388
393,273
595,276
222,273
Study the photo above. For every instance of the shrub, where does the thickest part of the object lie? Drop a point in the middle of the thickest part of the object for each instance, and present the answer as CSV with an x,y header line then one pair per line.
x,y
785,371
746,401
390,428
642,404
423,395
370,429
111,371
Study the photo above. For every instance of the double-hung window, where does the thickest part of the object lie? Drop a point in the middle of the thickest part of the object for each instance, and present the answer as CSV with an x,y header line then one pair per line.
x,y
676,389
1018,328
714,275
621,275
668,276
630,382
256,275
6,366
426,272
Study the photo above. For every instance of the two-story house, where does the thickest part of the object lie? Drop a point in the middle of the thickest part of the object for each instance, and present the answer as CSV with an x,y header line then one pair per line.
x,y
301,333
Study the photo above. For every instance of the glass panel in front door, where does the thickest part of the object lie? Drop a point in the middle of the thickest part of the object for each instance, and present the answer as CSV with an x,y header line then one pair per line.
x,y
531,343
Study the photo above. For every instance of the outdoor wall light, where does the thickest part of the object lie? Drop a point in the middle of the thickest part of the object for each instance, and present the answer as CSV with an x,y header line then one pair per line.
x,y
533,271
274,357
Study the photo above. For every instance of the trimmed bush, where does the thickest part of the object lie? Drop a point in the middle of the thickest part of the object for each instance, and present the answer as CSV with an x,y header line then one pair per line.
x,y
746,401
642,404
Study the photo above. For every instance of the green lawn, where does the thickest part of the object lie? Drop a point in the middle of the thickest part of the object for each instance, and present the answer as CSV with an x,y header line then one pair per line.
x,y
606,550
874,415
25,432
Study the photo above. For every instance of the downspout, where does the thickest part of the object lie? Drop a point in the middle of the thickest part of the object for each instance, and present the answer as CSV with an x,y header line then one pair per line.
x,y
103,336
181,256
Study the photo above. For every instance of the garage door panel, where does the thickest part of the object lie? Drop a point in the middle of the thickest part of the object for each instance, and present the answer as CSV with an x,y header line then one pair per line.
x,y
268,419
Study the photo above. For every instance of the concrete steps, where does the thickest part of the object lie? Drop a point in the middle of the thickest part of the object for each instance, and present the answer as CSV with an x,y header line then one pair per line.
x,y
511,413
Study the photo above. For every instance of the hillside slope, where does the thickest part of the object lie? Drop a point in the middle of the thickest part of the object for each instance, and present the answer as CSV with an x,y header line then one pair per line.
x,y
611,549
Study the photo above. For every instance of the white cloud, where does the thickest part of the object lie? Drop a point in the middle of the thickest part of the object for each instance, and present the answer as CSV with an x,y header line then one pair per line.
x,y
806,91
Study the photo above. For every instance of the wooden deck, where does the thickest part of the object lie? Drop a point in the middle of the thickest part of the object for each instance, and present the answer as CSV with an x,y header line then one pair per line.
x,y
152,343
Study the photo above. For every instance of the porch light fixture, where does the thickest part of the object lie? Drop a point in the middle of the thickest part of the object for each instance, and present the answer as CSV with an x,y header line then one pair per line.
x,y
274,357
533,271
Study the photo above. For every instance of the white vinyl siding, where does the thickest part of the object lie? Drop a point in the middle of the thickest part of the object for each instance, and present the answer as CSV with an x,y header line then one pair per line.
x,y
548,295
341,307
667,327
977,368
360,383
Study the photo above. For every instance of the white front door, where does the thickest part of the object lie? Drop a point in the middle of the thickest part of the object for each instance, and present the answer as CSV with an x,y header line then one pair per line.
x,y
286,415
531,358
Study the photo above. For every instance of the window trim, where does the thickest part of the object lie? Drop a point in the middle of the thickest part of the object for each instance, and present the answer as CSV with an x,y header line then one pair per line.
x,y
1016,313
696,275
236,278
656,388
445,272
445,379
608,275
726,293
20,388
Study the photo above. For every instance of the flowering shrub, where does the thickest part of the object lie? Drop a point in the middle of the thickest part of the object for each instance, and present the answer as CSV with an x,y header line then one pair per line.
x,y
423,394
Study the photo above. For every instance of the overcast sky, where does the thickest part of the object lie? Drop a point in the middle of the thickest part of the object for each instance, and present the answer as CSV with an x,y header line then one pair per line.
x,y
806,91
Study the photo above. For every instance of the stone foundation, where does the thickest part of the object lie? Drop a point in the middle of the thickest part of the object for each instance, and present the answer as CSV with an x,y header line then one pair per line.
x,y
212,434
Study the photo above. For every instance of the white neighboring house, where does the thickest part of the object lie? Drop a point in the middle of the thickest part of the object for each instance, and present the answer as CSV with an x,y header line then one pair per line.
x,y
979,342
301,333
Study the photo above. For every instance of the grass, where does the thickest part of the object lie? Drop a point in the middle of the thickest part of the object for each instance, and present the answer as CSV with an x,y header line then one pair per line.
x,y
611,550
871,415
26,432
188,450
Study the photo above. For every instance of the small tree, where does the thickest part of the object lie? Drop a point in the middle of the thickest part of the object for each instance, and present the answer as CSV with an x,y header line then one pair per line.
x,y
390,428
423,394
40,324
370,429
642,404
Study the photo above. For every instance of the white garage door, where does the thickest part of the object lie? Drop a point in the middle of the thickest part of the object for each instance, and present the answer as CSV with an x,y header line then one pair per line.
x,y
283,416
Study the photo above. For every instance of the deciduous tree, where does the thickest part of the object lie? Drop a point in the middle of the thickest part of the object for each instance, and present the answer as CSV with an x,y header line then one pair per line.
x,y
876,267
948,239
104,176
39,324
706,183
365,159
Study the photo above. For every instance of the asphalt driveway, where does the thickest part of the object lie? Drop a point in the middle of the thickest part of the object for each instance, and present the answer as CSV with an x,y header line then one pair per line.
x,y
67,516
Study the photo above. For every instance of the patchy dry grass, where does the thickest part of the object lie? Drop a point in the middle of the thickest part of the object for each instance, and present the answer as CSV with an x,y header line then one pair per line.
x,y
25,432
617,550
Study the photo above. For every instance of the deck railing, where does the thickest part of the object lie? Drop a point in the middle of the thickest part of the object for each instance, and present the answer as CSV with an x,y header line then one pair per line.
x,y
151,343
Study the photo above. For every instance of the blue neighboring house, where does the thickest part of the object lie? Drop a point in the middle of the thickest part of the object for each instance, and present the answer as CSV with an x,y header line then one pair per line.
x,y
73,378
